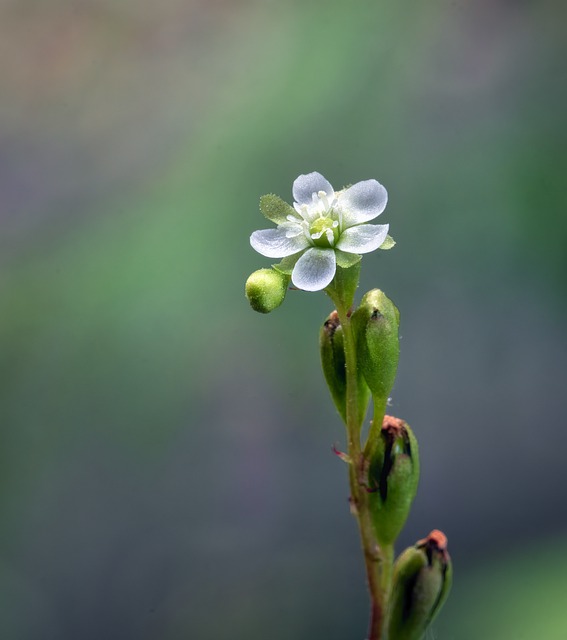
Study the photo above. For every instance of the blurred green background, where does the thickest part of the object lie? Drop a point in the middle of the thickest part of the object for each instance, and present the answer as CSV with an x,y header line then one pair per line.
x,y
165,453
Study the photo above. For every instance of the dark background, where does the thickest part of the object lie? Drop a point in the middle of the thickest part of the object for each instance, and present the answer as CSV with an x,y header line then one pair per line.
x,y
165,453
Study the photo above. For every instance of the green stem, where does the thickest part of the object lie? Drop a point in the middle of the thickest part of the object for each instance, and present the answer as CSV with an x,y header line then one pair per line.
x,y
378,562
386,574
379,411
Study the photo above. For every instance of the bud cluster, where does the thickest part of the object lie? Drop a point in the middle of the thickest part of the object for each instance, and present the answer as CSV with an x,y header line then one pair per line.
x,y
388,466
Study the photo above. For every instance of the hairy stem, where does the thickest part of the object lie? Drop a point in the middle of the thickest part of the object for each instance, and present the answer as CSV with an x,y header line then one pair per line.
x,y
377,561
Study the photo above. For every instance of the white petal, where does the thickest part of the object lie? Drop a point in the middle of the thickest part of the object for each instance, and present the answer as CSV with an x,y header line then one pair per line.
x,y
274,243
363,239
306,185
362,202
291,229
314,270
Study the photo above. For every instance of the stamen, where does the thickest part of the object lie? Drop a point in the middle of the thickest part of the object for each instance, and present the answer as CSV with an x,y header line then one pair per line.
x,y
324,199
303,211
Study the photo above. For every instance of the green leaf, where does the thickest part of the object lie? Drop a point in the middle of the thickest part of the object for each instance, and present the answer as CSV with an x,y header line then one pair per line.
x,y
274,208
388,243
346,260
287,264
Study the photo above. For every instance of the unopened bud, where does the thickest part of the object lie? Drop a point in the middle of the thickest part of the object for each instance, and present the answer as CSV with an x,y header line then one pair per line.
x,y
331,346
393,473
422,579
266,289
375,323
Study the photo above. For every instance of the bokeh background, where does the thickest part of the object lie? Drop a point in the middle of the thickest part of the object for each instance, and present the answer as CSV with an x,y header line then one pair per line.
x,y
165,453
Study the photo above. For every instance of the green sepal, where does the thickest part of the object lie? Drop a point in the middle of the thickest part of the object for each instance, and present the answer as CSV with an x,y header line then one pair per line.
x,y
275,209
346,260
333,362
286,265
422,579
375,324
388,243
266,289
392,476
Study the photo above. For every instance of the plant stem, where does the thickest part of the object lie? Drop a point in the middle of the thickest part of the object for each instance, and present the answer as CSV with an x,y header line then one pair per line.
x,y
377,561
386,572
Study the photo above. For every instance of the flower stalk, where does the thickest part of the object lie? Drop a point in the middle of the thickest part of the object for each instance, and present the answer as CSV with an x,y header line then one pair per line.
x,y
320,241
378,561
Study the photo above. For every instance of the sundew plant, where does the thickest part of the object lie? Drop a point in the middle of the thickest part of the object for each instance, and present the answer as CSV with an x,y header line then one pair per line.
x,y
320,241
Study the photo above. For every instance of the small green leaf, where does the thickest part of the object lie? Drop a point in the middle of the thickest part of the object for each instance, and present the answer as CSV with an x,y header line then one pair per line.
x,y
346,260
274,208
388,243
287,264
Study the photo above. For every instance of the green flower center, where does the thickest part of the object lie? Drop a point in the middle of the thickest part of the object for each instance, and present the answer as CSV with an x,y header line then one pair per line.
x,y
319,229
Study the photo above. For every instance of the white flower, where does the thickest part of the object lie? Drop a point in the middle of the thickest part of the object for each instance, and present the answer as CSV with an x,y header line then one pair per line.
x,y
325,225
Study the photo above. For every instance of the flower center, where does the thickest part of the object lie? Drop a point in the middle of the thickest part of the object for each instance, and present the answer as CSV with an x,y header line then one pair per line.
x,y
324,232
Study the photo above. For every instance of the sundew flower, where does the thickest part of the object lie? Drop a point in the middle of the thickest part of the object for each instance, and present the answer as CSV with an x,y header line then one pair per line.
x,y
324,228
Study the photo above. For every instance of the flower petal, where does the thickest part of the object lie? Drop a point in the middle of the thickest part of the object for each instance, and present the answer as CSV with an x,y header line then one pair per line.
x,y
274,243
314,270
363,239
291,229
307,184
362,202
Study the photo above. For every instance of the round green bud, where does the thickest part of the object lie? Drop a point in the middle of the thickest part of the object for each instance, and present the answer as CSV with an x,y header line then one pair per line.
x,y
392,463
423,575
266,289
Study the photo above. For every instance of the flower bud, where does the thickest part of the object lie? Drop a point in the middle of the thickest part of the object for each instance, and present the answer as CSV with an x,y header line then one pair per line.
x,y
421,583
375,323
393,473
331,346
266,289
